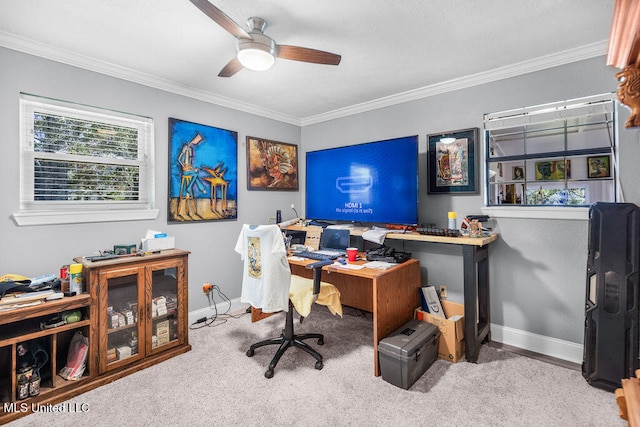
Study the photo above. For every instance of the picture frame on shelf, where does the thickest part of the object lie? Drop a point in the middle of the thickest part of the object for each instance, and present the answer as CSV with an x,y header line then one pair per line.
x,y
552,170
452,162
271,165
203,173
599,166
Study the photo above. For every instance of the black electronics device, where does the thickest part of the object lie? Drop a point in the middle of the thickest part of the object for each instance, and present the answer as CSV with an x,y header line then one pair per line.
x,y
611,315
387,254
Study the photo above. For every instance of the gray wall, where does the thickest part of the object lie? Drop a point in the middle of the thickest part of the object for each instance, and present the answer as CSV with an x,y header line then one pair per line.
x,y
537,266
36,250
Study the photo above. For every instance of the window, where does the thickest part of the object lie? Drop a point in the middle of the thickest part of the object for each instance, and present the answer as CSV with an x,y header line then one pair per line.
x,y
83,164
561,154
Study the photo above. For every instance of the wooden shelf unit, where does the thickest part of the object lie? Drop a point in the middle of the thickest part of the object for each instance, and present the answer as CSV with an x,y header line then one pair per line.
x,y
155,274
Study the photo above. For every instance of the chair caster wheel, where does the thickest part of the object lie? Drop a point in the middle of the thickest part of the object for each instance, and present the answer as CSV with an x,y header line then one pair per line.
x,y
269,374
250,353
319,365
320,341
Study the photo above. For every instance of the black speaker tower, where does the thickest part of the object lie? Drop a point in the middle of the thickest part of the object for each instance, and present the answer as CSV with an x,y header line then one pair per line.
x,y
611,316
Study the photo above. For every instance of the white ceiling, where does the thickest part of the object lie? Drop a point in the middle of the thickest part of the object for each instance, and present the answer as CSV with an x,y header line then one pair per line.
x,y
391,50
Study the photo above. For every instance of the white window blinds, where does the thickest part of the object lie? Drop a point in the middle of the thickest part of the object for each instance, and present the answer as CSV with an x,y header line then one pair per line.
x,y
76,157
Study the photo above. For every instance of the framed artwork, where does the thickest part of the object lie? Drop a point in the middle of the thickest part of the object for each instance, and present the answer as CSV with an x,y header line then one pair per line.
x,y
550,170
203,173
271,165
517,173
452,162
599,166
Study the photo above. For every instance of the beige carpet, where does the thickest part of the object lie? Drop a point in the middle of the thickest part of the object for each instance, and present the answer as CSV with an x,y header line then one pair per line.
x,y
216,384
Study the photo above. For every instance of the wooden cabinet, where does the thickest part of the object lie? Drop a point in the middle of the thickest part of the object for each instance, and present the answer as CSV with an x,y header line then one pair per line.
x,y
142,308
134,314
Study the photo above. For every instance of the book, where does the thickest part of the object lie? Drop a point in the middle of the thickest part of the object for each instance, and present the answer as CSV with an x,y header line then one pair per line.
x,y
432,301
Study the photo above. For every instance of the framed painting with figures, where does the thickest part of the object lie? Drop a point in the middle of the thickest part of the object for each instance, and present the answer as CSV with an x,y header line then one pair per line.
x,y
203,173
452,162
271,165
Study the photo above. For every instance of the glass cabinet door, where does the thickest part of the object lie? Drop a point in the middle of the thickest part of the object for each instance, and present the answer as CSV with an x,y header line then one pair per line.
x,y
164,328
121,303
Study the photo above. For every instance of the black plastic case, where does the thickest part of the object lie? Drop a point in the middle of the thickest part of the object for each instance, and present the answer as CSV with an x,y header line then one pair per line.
x,y
408,352
611,316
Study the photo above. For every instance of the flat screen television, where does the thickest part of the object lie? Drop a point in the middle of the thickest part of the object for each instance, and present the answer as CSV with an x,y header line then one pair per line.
x,y
375,182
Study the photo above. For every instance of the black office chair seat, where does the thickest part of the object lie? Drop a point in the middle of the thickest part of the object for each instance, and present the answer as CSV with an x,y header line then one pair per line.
x,y
288,338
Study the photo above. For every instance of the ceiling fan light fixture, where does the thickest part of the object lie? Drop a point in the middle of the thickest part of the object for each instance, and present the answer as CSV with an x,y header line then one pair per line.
x,y
257,54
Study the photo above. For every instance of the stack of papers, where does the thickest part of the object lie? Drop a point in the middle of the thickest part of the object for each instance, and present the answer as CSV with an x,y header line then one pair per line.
x,y
379,265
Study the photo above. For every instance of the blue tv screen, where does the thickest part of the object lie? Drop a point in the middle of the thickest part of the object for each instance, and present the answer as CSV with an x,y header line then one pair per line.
x,y
376,182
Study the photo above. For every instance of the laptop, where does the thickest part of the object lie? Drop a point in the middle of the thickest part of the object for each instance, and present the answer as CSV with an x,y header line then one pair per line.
x,y
334,242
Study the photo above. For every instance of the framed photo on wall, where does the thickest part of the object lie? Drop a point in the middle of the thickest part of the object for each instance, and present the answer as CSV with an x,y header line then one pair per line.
x,y
517,173
452,162
203,173
551,170
271,165
599,166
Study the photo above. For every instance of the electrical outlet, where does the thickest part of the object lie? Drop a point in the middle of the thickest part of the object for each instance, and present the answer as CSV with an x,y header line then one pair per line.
x,y
293,206
206,288
443,292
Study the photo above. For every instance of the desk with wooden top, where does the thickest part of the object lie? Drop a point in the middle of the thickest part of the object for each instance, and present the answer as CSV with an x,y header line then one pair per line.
x,y
390,295
475,257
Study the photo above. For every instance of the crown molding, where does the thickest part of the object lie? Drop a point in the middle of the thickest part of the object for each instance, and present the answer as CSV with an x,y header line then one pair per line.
x,y
43,50
46,51
537,64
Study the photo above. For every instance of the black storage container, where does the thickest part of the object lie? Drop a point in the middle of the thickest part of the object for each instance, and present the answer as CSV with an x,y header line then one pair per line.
x,y
408,352
611,315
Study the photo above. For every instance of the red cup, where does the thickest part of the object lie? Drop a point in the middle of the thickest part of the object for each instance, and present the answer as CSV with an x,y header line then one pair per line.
x,y
352,254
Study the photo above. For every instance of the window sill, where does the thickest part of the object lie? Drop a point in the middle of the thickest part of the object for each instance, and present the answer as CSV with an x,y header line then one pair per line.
x,y
78,217
537,212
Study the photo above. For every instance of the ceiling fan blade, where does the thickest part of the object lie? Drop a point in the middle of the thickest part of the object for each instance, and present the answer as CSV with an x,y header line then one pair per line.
x,y
221,18
297,53
231,68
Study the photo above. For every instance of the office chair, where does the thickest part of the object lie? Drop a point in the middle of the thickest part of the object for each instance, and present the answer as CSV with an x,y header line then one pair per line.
x,y
261,252
288,338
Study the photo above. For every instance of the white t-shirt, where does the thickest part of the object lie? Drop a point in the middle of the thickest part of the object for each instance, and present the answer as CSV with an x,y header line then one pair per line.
x,y
266,275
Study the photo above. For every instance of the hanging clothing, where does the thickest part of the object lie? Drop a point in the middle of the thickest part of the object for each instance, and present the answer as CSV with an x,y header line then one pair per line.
x,y
266,275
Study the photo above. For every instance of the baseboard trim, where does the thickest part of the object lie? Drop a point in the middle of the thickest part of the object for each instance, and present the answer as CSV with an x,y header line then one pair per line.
x,y
533,344
222,308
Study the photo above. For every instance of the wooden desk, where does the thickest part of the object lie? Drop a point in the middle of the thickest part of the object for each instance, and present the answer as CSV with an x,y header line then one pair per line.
x,y
391,295
475,260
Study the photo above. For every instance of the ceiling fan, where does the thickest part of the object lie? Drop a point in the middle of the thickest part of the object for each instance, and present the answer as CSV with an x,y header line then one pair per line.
x,y
256,51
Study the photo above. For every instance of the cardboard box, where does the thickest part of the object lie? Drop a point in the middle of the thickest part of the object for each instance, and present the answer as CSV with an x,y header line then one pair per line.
x,y
451,345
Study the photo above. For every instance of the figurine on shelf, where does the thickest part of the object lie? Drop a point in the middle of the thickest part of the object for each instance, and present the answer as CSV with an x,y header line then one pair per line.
x,y
629,93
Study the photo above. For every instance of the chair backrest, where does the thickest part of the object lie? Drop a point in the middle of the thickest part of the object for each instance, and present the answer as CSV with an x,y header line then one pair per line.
x,y
266,276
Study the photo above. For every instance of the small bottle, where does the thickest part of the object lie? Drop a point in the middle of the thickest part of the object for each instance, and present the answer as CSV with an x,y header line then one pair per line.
x,y
452,220
75,278
64,278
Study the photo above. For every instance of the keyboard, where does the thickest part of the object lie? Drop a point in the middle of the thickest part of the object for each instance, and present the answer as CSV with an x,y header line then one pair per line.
x,y
315,255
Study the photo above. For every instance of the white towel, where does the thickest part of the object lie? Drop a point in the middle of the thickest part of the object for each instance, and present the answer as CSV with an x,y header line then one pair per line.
x,y
376,235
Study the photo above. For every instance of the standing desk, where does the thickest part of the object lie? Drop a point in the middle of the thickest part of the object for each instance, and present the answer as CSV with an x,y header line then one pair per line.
x,y
390,295
475,261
